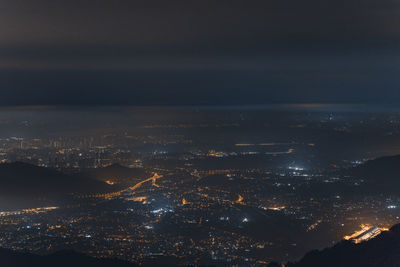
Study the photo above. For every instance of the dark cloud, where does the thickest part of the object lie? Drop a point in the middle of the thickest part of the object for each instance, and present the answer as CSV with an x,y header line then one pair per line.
x,y
160,24
198,52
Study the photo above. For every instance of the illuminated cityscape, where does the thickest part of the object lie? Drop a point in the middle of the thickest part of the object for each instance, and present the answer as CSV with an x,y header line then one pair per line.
x,y
199,133
191,191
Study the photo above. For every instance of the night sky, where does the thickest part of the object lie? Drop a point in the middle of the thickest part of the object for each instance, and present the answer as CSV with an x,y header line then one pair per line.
x,y
199,52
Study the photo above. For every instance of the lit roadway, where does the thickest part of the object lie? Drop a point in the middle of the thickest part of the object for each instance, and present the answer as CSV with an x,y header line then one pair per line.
x,y
153,180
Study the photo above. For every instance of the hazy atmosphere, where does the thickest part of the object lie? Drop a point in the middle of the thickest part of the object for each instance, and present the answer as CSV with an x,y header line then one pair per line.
x,y
198,52
199,133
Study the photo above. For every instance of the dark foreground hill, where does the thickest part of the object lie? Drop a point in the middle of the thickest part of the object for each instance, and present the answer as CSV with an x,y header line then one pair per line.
x,y
9,258
381,251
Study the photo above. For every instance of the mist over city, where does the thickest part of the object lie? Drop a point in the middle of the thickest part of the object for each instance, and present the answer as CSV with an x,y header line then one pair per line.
x,y
199,133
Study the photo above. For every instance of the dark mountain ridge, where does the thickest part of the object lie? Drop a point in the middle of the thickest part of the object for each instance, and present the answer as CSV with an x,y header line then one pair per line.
x,y
381,175
23,185
25,179
383,250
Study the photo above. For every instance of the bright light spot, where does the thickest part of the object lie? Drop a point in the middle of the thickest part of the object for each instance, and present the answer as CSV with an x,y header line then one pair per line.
x,y
365,233
296,168
161,211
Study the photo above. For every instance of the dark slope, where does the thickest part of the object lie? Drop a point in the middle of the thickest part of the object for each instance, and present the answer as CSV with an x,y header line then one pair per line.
x,y
25,179
9,258
383,250
379,175
389,166
26,186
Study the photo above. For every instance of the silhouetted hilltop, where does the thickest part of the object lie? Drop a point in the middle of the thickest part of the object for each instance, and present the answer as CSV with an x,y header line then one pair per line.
x,y
390,165
67,258
26,186
381,251
379,174
26,179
